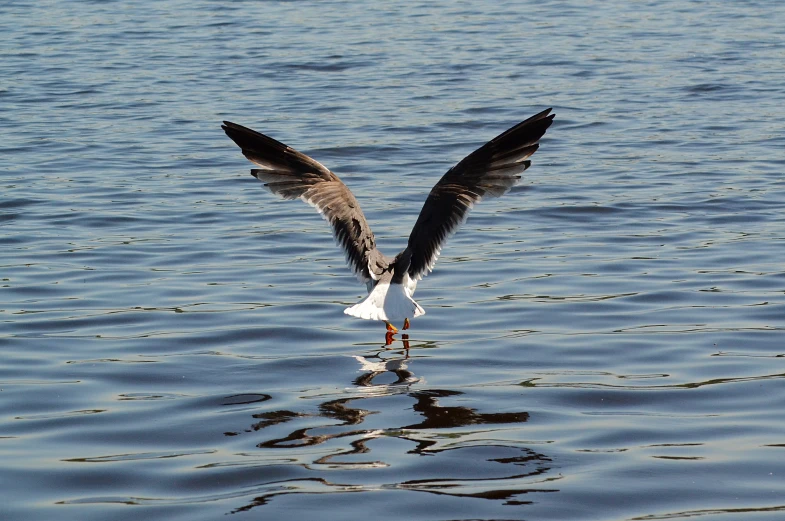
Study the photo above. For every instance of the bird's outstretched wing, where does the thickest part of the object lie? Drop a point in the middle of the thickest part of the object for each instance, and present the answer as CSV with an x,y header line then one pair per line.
x,y
290,174
489,171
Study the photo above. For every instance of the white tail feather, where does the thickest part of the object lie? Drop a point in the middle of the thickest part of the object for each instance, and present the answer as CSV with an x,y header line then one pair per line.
x,y
386,302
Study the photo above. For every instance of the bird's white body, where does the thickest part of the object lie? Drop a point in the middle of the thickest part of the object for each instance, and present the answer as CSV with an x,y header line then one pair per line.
x,y
388,301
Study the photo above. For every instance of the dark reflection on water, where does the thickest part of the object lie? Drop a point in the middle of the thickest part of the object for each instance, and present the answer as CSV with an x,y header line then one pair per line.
x,y
438,417
490,470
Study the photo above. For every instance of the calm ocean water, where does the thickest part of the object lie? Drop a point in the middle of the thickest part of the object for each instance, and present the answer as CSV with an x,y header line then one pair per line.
x,y
606,342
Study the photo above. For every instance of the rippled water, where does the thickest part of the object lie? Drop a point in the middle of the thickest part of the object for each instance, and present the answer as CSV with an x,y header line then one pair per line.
x,y
603,343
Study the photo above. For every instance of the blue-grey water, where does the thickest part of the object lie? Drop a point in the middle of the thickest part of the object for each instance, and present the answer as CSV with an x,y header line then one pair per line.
x,y
605,342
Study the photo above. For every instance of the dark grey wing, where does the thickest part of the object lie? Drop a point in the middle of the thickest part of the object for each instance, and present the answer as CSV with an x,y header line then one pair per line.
x,y
292,175
489,171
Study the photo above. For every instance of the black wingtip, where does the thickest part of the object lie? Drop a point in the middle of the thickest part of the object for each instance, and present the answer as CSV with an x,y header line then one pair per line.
x,y
233,129
545,114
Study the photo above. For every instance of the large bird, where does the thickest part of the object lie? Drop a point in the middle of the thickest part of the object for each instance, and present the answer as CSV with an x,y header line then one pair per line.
x,y
489,171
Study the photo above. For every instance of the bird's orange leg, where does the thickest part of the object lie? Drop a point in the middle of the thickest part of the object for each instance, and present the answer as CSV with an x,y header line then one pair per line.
x,y
391,328
406,323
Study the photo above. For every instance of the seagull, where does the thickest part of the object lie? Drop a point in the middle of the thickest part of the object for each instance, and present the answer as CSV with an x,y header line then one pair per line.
x,y
488,172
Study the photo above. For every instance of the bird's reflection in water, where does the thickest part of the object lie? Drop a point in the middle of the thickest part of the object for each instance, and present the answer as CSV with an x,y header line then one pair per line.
x,y
389,338
377,365
468,454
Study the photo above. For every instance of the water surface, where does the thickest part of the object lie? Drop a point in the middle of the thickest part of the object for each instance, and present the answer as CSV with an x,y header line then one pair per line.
x,y
603,343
